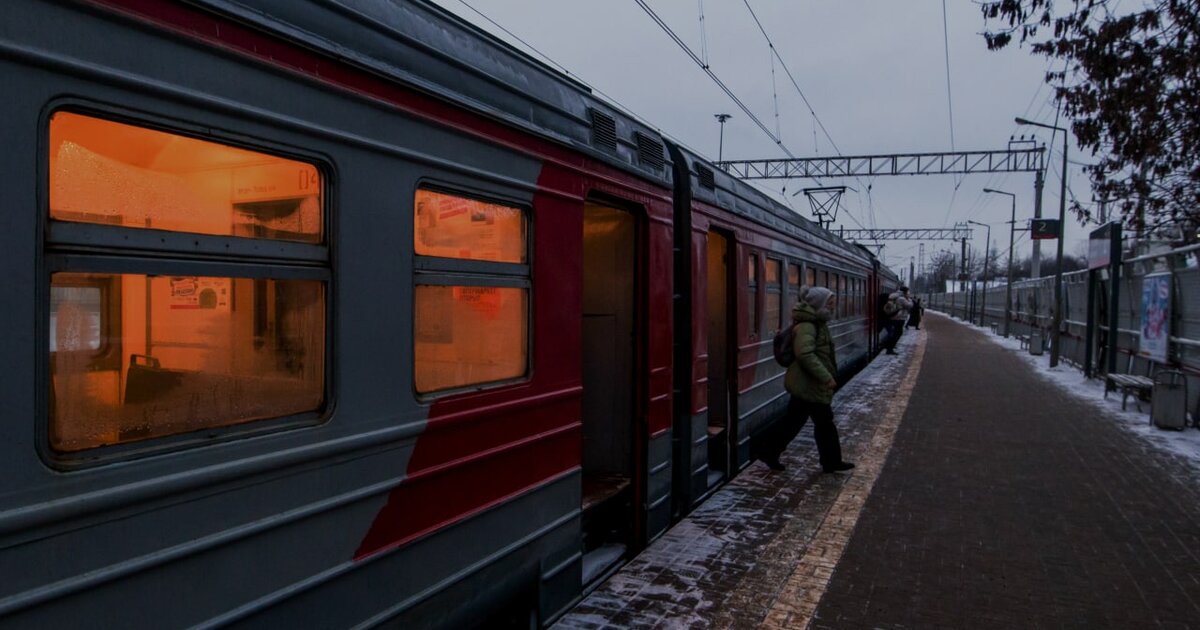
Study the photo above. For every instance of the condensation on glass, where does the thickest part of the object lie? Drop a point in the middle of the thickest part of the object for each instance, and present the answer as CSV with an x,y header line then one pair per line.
x,y
198,352
467,335
774,298
450,226
116,174
464,333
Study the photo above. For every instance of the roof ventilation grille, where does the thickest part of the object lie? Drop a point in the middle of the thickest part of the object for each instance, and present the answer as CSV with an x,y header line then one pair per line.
x,y
650,151
706,177
604,131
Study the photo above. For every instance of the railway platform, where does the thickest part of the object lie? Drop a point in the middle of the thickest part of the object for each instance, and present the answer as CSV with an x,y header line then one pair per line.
x,y
985,497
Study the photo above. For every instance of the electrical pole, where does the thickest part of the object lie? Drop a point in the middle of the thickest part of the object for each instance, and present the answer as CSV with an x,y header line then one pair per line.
x,y
1038,180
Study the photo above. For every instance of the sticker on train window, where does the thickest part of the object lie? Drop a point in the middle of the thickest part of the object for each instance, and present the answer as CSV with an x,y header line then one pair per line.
x,y
117,174
451,226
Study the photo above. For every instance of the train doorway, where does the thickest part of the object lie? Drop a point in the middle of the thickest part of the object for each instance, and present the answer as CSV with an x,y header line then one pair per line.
x,y
609,371
721,427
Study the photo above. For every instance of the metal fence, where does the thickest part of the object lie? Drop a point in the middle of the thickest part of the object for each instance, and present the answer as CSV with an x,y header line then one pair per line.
x,y
1033,308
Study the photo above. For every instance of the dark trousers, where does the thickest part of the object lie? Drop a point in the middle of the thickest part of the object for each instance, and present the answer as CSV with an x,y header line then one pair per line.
x,y
895,328
772,442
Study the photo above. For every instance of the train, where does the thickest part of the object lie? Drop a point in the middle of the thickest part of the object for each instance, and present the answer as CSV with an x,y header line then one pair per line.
x,y
344,313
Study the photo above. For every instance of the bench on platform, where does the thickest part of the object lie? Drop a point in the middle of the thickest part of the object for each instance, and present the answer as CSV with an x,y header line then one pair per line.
x,y
1138,386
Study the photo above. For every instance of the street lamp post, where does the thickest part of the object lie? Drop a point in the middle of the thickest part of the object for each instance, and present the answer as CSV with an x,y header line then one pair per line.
x,y
987,249
1055,334
721,118
1012,224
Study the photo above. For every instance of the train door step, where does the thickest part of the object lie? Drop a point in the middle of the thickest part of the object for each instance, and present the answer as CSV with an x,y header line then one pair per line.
x,y
714,477
602,561
599,488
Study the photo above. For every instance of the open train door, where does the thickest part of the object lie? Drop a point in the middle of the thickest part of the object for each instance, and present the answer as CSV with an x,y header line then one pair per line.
x,y
722,432
612,442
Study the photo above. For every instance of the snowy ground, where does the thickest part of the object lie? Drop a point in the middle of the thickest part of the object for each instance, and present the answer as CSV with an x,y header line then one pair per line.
x,y
1070,379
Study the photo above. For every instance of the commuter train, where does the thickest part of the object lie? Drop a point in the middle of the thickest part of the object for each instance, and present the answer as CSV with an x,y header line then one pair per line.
x,y
344,313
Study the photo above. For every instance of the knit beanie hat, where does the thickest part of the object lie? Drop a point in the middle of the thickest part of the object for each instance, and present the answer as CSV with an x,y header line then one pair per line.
x,y
817,297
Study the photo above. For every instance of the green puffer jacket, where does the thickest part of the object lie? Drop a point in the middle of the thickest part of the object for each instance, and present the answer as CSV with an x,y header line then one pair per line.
x,y
816,363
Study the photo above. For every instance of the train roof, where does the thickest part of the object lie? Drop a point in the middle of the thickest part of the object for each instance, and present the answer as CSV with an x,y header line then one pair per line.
x,y
421,45
715,187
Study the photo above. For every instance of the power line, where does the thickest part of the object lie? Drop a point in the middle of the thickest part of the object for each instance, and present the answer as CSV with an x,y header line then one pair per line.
x,y
949,99
712,75
786,70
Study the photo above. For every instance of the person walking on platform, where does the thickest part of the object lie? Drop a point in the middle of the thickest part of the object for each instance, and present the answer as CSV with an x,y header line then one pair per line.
x,y
811,382
914,315
896,310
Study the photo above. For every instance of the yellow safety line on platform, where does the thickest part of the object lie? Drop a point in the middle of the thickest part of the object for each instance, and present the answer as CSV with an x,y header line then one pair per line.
x,y
798,599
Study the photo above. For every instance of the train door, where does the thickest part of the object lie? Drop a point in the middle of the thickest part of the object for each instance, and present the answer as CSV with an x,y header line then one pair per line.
x,y
610,486
721,431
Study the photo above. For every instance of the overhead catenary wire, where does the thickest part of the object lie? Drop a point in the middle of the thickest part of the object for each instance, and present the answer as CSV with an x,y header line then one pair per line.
x,y
712,75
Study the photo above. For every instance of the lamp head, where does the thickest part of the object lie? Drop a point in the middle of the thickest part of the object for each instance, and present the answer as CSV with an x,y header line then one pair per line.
x,y
1022,121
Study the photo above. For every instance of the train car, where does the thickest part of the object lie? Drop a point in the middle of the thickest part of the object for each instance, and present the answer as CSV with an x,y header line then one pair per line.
x,y
345,313
741,259
339,315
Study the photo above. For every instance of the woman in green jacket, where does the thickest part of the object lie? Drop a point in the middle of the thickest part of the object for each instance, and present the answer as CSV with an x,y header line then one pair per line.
x,y
811,381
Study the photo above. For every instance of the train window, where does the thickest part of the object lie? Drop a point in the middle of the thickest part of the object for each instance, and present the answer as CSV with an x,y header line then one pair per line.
x,y
117,174
450,226
794,276
203,352
469,334
752,294
470,327
844,299
144,343
774,298
823,279
810,277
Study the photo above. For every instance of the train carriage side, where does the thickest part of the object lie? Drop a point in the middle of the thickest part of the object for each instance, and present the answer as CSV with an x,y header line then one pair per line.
x,y
324,299
741,259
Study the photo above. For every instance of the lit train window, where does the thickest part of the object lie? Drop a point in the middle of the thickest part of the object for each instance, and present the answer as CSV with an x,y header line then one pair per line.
x,y
752,294
469,334
794,276
145,342
810,277
470,327
774,297
201,352
450,226
823,280
116,174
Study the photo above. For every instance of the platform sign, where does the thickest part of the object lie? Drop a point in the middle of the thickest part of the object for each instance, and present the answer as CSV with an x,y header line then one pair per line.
x,y
1100,246
1044,229
1155,340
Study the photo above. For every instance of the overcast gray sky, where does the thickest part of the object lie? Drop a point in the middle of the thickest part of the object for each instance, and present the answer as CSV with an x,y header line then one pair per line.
x,y
874,72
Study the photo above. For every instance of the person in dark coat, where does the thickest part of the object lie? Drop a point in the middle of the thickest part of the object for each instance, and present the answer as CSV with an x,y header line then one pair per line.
x,y
895,320
914,314
811,381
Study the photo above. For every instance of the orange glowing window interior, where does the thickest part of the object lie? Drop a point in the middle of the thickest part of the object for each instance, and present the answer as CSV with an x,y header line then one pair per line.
x,y
467,335
794,275
773,301
450,226
190,353
112,173
810,277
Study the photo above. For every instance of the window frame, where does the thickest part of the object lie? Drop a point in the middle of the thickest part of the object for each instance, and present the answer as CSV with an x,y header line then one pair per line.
x,y
443,271
99,248
754,316
776,289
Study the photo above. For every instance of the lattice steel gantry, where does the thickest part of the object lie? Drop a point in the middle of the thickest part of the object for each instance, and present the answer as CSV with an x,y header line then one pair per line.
x,y
911,234
952,163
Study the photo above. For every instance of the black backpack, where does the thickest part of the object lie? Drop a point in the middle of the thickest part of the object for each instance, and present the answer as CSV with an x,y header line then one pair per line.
x,y
783,346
